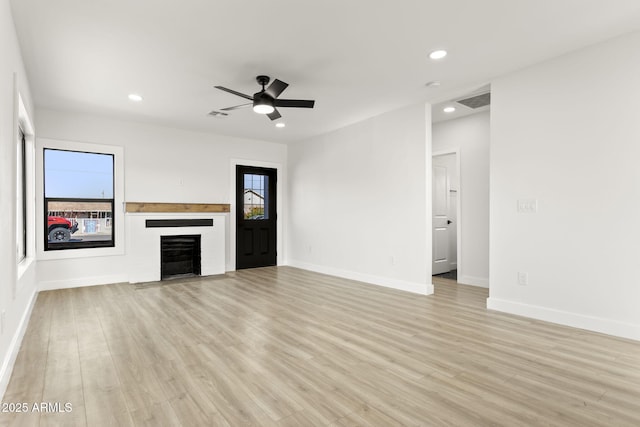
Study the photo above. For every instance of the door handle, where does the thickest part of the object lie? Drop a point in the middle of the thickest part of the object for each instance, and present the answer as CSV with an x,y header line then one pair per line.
x,y
449,221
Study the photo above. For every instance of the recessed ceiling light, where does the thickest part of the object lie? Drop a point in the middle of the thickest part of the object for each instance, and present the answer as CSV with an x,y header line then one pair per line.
x,y
438,54
135,97
280,125
434,83
449,109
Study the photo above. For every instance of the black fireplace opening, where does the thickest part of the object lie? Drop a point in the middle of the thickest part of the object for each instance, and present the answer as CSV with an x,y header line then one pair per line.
x,y
179,256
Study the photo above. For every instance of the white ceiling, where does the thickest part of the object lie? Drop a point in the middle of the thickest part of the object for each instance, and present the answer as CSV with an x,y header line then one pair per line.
x,y
356,58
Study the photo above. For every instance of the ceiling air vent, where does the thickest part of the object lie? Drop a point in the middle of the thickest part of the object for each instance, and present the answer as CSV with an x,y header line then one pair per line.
x,y
476,101
218,114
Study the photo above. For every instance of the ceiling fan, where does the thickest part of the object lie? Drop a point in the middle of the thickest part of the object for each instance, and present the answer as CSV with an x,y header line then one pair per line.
x,y
266,101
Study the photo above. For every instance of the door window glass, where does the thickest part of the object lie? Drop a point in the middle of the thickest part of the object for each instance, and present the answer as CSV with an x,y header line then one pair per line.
x,y
255,200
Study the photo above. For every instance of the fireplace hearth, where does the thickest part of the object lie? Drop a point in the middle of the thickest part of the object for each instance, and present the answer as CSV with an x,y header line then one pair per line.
x,y
179,256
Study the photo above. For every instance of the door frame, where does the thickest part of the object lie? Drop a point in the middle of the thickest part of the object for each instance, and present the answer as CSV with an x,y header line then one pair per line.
x,y
231,229
456,152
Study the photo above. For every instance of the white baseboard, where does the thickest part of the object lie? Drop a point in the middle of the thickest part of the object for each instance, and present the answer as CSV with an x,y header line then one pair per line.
x,y
590,323
481,282
79,283
14,346
387,282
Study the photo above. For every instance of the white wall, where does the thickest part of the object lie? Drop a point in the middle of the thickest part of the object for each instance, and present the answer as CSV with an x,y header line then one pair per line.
x,y
470,135
566,133
17,288
360,205
161,164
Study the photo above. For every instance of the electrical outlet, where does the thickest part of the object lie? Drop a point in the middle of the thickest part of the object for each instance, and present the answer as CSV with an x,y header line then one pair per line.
x,y
523,278
392,260
3,317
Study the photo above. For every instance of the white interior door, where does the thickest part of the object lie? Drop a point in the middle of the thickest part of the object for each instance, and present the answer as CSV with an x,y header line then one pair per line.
x,y
440,250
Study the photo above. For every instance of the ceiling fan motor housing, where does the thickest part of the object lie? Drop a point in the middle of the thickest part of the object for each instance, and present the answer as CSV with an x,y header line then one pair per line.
x,y
262,98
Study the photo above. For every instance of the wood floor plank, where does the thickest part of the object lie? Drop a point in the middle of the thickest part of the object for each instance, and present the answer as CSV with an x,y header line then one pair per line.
x,y
281,346
192,411
63,375
104,400
157,415
367,416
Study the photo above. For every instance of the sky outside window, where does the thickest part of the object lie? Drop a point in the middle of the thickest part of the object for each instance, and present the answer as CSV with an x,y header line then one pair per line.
x,y
73,174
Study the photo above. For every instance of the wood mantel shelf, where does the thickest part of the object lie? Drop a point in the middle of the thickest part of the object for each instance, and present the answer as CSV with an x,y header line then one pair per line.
x,y
148,207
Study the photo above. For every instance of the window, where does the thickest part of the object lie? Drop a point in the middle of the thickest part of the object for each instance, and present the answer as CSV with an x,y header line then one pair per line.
x,y
78,199
21,198
254,196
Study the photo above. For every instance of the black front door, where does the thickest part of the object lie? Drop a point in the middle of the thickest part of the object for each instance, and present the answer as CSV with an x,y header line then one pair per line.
x,y
255,217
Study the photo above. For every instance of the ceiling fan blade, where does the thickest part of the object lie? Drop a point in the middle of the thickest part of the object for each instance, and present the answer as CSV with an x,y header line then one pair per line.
x,y
295,103
276,88
275,115
250,98
236,107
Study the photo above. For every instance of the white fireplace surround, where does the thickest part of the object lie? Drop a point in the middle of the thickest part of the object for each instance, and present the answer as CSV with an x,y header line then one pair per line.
x,y
143,244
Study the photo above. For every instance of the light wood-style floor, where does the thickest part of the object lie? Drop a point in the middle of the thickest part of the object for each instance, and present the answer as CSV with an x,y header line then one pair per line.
x,y
286,347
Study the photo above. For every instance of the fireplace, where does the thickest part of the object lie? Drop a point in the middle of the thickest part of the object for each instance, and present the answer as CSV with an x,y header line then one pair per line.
x,y
145,231
179,256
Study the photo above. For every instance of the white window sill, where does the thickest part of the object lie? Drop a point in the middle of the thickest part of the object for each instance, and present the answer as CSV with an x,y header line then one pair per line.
x,y
80,253
24,265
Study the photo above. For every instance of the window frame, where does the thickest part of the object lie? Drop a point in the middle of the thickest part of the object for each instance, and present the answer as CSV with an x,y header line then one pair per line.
x,y
21,191
23,123
118,247
77,245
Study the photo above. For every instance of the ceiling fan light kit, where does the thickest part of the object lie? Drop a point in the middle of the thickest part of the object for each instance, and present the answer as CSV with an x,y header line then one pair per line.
x,y
262,103
266,101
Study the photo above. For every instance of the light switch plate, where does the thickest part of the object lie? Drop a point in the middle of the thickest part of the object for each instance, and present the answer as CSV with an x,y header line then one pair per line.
x,y
523,278
527,205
